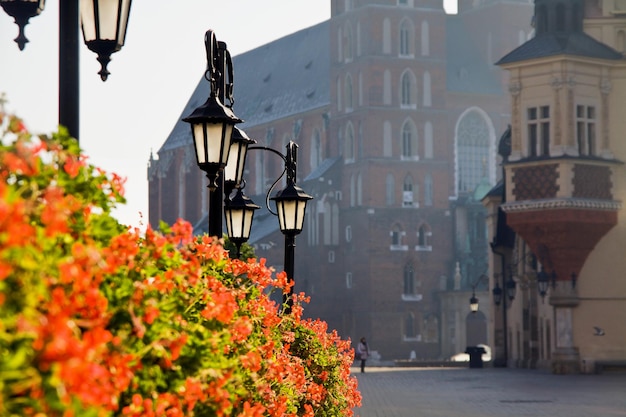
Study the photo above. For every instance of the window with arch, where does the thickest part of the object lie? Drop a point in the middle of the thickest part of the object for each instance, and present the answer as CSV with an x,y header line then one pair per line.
x,y
472,150
409,326
424,235
390,186
338,94
360,145
428,140
349,94
352,191
360,81
408,192
406,38
397,238
315,157
409,280
358,38
387,88
339,45
348,43
410,284
409,141
386,36
387,147
349,144
407,90
428,190
327,223
427,95
425,38
359,190
335,224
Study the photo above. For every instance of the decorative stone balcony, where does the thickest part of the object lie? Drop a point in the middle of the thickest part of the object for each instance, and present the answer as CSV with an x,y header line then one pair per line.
x,y
561,207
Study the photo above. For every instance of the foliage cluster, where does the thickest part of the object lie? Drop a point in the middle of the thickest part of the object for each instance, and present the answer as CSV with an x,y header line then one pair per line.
x,y
97,319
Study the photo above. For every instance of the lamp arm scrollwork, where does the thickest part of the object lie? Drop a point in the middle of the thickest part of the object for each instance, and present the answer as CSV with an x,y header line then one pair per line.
x,y
285,171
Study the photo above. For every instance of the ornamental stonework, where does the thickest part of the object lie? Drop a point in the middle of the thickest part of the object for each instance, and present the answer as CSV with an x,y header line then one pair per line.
x,y
592,181
535,182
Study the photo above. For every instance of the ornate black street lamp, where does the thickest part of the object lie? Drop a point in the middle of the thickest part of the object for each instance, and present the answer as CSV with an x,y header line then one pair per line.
x,y
221,150
103,24
291,205
543,282
497,294
473,303
473,300
21,11
239,213
212,123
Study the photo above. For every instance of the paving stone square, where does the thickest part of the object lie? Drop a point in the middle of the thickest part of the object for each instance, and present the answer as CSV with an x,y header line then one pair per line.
x,y
485,392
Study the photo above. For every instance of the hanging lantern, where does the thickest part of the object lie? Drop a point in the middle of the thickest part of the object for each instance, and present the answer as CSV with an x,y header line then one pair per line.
x,y
104,24
21,11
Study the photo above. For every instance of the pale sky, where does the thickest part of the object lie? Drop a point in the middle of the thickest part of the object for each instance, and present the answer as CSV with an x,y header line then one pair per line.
x,y
152,77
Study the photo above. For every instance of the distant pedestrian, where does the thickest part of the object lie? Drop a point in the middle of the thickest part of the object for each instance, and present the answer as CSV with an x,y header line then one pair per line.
x,y
363,352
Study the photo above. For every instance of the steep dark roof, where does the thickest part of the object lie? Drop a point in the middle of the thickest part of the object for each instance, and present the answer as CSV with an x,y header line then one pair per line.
x,y
466,69
288,76
551,44
322,168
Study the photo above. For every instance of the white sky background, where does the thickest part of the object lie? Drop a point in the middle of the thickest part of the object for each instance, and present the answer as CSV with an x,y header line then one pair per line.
x,y
152,77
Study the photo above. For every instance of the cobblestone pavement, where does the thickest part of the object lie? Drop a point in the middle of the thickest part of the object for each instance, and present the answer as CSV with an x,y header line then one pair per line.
x,y
456,392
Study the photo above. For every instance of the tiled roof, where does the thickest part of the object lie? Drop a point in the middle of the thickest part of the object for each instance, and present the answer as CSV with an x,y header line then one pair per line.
x,y
550,44
288,76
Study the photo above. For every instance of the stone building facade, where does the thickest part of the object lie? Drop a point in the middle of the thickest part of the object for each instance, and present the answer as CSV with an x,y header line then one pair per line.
x,y
563,191
396,108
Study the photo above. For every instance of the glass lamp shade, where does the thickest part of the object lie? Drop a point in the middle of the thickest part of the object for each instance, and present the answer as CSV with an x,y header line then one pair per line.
x,y
497,295
211,127
543,281
291,207
473,304
233,171
104,24
511,289
21,11
239,213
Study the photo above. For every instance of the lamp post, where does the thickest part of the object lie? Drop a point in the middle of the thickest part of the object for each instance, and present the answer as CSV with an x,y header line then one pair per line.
x,y
473,300
504,295
103,24
291,205
221,150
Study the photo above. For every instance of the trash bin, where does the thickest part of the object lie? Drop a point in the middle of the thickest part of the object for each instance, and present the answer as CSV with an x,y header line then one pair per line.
x,y
475,356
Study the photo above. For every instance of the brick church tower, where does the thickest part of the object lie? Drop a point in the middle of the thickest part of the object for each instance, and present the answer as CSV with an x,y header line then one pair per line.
x,y
396,107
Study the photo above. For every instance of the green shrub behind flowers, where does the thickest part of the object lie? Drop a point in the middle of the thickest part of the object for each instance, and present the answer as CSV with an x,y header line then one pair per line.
x,y
97,319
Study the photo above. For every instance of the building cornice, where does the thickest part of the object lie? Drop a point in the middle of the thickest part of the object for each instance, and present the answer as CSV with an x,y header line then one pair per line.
x,y
561,203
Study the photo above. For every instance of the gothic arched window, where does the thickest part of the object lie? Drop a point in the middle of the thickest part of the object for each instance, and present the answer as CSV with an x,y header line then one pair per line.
x,y
473,145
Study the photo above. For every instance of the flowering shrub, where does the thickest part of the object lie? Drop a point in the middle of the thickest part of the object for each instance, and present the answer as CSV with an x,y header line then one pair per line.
x,y
97,319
